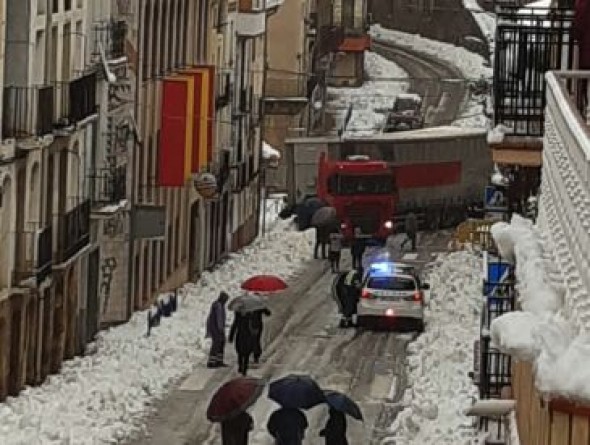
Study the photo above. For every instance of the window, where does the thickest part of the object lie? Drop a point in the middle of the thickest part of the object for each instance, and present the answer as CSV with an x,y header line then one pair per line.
x,y
365,184
67,5
391,283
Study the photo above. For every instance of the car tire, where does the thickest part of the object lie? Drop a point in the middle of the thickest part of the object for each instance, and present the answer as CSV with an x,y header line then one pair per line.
x,y
420,326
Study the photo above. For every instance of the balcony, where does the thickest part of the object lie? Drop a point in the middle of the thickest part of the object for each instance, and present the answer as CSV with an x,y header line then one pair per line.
x,y
565,187
111,37
108,185
285,95
28,111
74,231
34,255
529,42
75,100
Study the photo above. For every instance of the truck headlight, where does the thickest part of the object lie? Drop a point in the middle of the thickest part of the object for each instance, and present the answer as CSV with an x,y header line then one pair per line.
x,y
388,225
343,226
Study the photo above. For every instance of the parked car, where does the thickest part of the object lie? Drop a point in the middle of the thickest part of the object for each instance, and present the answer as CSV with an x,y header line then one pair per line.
x,y
392,292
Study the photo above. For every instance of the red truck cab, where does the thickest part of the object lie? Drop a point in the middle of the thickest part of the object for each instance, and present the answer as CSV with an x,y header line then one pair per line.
x,y
362,192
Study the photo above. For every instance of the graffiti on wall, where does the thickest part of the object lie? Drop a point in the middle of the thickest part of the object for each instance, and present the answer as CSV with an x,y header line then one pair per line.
x,y
107,269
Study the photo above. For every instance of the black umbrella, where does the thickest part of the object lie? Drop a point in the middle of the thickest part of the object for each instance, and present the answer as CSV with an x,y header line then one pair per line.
x,y
305,211
324,217
341,402
296,391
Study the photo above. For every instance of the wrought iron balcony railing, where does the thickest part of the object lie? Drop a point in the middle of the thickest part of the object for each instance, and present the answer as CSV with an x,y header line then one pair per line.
x,y
34,255
108,186
75,100
74,231
28,111
529,42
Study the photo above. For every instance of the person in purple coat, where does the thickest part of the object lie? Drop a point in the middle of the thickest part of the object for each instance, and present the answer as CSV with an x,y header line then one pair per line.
x,y
216,331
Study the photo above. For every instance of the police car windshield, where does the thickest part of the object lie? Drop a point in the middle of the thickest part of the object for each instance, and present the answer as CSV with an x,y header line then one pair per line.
x,y
391,283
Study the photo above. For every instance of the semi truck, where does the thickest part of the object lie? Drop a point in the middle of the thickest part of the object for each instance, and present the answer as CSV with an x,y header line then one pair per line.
x,y
374,181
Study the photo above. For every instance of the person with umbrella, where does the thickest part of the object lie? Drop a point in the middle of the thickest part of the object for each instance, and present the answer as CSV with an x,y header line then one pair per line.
x,y
335,430
287,426
335,249
241,331
216,331
294,393
235,431
411,224
322,238
228,406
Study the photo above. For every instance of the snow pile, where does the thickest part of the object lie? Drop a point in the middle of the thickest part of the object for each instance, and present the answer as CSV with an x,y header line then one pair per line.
x,y
471,65
371,100
496,134
439,388
541,334
105,397
485,20
269,152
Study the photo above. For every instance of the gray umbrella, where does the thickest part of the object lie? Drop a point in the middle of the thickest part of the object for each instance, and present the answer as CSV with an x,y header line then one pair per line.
x,y
325,216
247,303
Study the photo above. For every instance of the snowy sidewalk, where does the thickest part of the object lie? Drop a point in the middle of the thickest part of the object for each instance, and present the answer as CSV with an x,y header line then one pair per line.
x,y
106,397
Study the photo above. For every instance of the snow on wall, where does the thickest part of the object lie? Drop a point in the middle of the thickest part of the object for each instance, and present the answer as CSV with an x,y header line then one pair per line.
x,y
553,261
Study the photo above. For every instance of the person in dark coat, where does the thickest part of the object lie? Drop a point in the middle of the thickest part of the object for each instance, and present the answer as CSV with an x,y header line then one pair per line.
x,y
216,331
350,297
257,326
235,431
241,332
335,429
322,239
357,249
411,230
287,426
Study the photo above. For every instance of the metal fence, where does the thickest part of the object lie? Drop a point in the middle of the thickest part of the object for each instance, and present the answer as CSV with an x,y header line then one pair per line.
x,y
28,111
529,42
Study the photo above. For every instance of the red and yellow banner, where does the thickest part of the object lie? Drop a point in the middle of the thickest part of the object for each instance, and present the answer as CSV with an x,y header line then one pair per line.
x,y
176,131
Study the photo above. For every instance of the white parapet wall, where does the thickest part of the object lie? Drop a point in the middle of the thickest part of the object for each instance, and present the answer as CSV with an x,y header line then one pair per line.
x,y
564,212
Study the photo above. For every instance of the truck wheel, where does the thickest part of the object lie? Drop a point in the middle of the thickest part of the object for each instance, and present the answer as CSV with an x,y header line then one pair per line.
x,y
420,326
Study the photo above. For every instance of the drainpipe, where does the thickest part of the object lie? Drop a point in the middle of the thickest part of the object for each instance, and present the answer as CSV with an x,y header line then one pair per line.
x,y
136,143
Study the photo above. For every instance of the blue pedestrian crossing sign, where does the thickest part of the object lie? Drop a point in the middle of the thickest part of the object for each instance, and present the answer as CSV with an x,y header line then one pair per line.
x,y
495,199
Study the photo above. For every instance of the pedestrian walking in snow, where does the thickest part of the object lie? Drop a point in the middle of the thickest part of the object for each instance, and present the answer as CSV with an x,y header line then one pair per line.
x,y
287,426
335,250
322,238
358,249
216,331
257,326
411,224
242,333
350,298
235,431
335,430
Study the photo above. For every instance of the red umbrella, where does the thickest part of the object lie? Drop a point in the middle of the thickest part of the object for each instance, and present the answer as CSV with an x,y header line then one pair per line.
x,y
234,397
264,283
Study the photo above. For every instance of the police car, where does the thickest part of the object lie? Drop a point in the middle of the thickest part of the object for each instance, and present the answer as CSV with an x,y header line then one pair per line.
x,y
392,291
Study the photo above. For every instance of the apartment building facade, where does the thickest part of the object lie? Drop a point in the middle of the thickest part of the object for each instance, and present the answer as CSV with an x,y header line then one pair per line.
x,y
49,115
290,81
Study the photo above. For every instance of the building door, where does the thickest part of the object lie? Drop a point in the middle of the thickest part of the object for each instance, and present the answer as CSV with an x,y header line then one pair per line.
x,y
92,306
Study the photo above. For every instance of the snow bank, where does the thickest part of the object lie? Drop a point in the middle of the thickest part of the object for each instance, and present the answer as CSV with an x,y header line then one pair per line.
x,y
385,80
471,65
540,333
439,388
269,152
105,397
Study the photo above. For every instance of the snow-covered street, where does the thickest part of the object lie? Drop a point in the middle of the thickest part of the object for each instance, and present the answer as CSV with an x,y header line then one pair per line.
x,y
106,396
